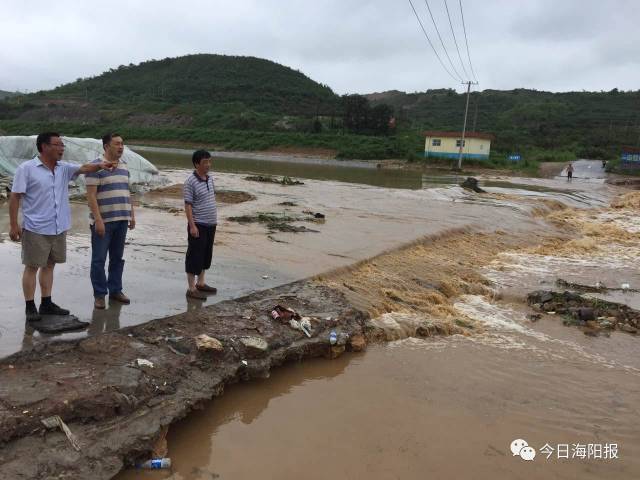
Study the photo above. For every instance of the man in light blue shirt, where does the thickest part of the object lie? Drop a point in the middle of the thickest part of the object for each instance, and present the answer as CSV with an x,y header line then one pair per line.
x,y
43,186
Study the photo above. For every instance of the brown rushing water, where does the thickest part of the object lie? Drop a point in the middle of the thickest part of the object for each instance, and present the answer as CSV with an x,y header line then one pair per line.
x,y
362,220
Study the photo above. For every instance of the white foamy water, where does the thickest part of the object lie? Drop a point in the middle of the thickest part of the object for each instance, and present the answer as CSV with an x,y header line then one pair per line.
x,y
511,268
494,316
624,219
506,329
397,326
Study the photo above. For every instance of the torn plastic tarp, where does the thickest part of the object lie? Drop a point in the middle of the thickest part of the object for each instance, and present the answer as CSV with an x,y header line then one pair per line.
x,y
17,149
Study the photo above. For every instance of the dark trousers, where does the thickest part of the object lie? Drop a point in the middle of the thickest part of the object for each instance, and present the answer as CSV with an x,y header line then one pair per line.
x,y
200,249
111,243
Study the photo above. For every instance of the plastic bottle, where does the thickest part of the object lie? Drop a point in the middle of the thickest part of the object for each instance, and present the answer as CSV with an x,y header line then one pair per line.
x,y
155,463
333,337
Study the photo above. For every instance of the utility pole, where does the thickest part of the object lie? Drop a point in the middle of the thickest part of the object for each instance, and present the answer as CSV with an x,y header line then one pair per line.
x,y
464,125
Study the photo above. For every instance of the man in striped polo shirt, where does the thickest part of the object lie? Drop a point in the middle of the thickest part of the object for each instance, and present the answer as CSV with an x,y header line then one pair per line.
x,y
111,215
202,217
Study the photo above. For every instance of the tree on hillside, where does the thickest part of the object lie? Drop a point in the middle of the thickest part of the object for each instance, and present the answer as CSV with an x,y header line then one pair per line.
x,y
360,118
356,110
380,119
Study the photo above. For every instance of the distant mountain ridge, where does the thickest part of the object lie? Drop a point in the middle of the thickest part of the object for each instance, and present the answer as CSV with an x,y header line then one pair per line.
x,y
207,79
252,103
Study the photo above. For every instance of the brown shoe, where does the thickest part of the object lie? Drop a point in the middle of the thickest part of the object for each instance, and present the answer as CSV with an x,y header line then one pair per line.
x,y
120,297
99,303
207,289
195,294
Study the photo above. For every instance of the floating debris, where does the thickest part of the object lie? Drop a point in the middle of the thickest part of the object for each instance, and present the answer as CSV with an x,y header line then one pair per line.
x,y
55,422
269,179
472,184
276,222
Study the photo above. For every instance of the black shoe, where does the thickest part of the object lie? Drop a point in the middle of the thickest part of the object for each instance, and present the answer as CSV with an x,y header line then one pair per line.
x,y
52,309
33,316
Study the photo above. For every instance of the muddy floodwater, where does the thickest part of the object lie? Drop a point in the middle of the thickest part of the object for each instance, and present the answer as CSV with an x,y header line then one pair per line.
x,y
409,408
362,219
446,408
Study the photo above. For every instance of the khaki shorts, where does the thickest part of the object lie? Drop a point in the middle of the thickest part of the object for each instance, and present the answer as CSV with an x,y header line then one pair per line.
x,y
41,250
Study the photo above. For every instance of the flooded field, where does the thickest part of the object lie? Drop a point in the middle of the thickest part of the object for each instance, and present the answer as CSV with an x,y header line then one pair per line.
x,y
351,171
362,220
442,407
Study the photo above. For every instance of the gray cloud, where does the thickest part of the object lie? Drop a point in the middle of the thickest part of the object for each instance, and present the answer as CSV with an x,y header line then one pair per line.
x,y
350,45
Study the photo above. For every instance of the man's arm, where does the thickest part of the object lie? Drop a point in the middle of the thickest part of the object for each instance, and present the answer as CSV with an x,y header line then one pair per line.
x,y
132,222
14,204
193,229
188,208
92,201
94,167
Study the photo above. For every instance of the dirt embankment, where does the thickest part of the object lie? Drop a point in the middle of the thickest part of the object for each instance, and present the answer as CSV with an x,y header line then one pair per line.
x,y
116,406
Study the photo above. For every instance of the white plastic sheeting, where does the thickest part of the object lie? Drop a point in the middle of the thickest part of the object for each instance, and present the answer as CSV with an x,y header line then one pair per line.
x,y
16,149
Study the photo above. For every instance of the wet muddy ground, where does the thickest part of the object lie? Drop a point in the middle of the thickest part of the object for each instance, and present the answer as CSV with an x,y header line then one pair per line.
x,y
401,408
360,221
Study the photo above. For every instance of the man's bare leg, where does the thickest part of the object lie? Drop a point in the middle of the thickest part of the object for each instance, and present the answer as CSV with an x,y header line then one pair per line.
x,y
201,278
29,282
46,280
29,290
191,280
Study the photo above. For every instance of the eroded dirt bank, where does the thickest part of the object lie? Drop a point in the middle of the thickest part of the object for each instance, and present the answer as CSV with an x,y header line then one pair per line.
x,y
116,408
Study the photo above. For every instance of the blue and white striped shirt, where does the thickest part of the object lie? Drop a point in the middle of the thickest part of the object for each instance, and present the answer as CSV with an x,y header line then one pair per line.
x,y
200,194
113,192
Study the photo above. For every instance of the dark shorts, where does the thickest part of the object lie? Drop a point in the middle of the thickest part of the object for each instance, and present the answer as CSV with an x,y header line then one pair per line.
x,y
200,250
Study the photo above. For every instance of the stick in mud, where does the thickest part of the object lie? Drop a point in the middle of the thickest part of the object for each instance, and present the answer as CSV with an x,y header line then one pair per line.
x,y
56,421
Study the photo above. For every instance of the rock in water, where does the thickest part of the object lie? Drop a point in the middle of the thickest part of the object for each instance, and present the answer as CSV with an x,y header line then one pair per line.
x,y
472,184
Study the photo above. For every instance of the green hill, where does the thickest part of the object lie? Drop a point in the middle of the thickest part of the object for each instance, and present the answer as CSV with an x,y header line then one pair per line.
x,y
247,103
590,124
201,90
255,83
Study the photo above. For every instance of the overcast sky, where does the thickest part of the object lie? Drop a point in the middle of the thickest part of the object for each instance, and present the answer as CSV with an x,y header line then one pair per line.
x,y
354,46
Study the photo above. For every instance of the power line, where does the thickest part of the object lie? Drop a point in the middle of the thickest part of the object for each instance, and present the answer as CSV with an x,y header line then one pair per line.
x,y
467,42
454,39
441,41
431,44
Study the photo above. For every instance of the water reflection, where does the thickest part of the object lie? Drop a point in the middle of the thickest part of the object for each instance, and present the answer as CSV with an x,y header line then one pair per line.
x,y
105,320
353,172
194,304
192,440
